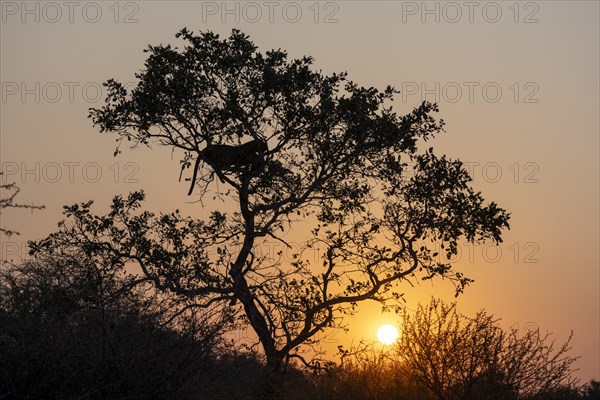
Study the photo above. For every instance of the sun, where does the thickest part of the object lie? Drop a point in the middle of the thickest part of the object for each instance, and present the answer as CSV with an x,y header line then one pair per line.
x,y
387,334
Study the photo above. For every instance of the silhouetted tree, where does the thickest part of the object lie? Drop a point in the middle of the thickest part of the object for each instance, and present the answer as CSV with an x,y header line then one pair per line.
x,y
334,154
458,357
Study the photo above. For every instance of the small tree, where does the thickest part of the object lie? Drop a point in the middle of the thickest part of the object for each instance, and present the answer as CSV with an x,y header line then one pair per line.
x,y
8,193
473,358
286,143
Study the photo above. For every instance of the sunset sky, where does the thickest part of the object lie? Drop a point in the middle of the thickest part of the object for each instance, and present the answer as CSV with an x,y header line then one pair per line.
x,y
517,84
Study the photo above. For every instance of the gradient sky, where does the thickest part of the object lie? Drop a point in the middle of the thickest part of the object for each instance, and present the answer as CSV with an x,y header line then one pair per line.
x,y
517,84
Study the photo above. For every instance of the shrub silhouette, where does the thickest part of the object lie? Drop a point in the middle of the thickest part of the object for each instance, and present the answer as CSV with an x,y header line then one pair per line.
x,y
458,357
63,337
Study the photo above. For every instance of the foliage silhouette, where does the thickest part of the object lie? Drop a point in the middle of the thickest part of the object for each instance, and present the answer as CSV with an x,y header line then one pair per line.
x,y
592,390
63,336
336,155
11,190
462,358
66,332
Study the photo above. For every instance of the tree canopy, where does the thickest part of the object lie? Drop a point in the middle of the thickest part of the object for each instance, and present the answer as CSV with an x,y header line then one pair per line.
x,y
325,151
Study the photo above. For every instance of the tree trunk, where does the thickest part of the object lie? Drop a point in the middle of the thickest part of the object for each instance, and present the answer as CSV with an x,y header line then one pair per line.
x,y
273,380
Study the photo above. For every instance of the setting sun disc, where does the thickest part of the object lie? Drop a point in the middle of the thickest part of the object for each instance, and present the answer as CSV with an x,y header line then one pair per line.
x,y
387,334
